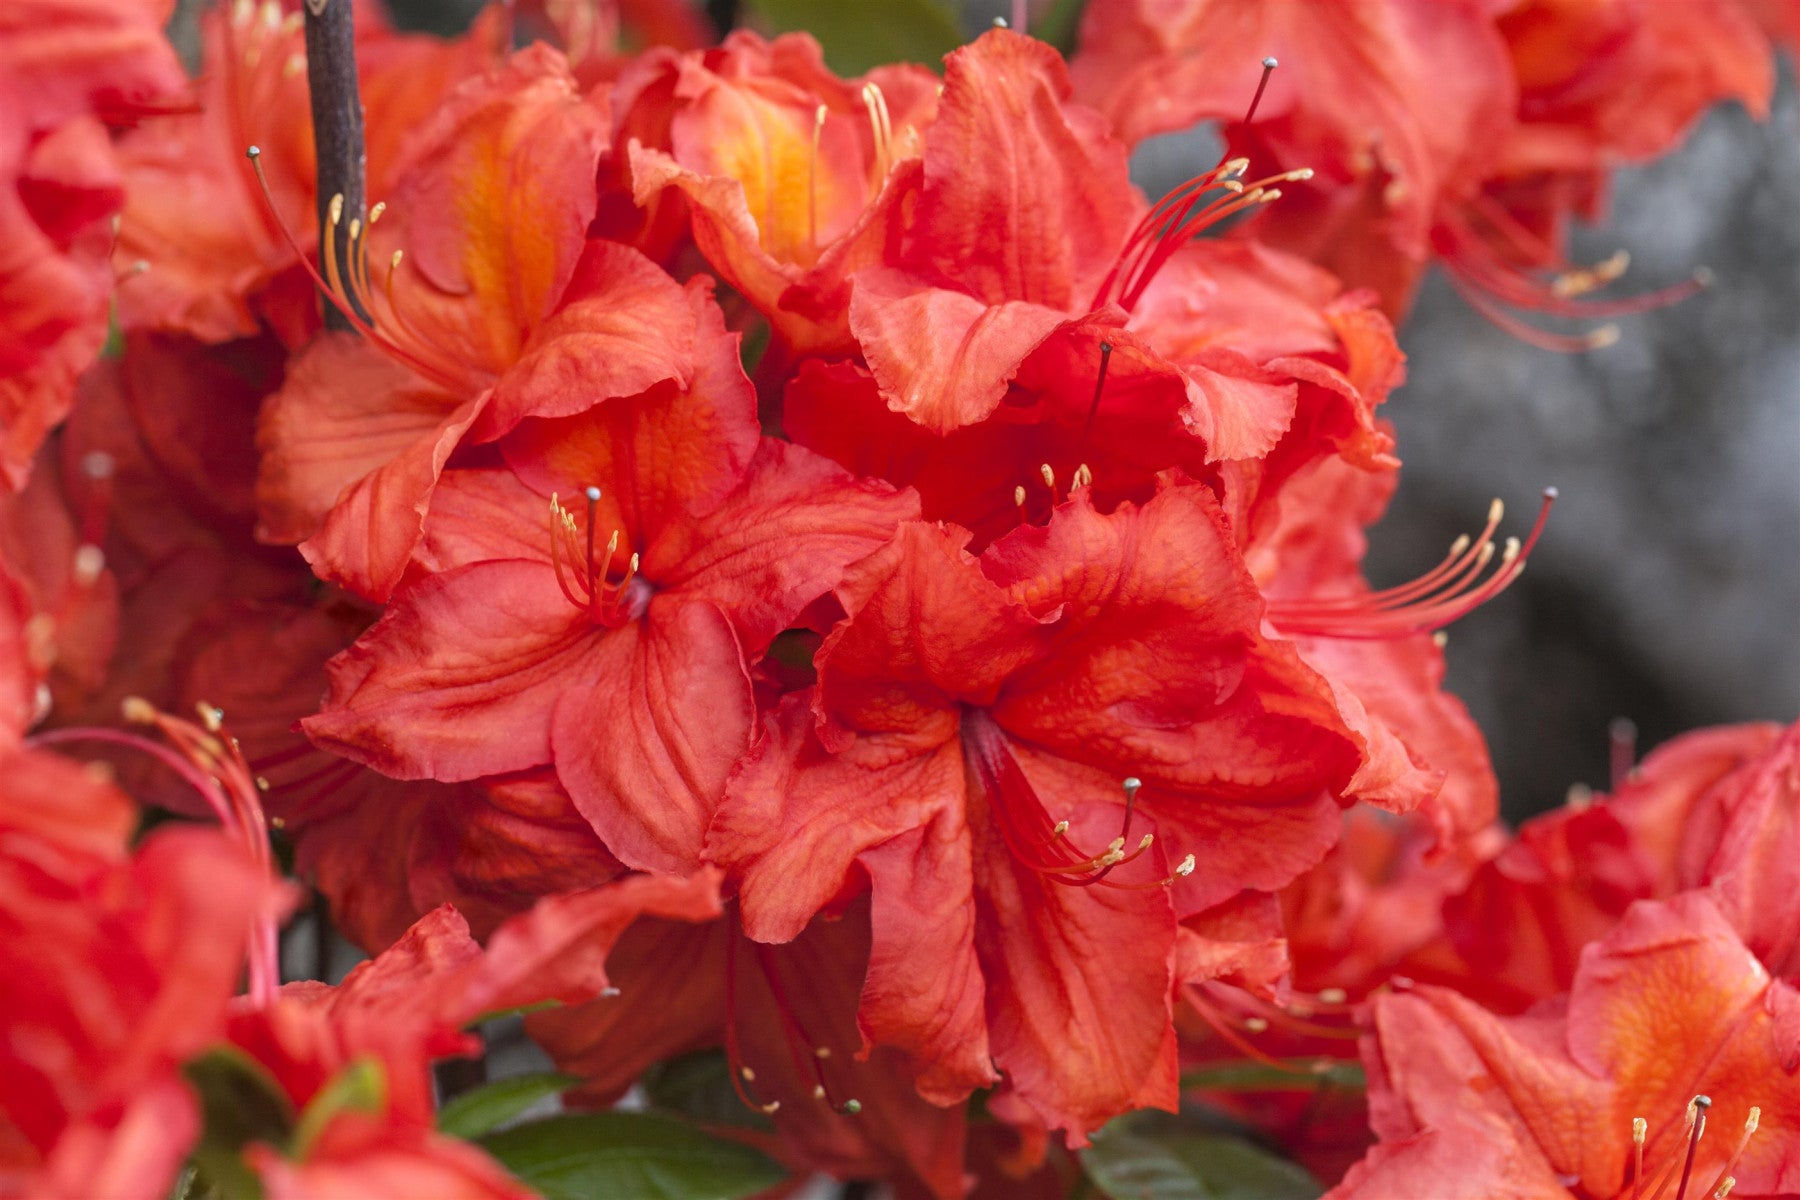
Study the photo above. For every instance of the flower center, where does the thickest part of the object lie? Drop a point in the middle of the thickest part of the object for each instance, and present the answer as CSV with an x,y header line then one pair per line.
x,y
1678,1166
587,581
1033,839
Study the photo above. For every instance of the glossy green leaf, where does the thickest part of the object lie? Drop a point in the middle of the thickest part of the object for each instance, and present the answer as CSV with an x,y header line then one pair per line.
x,y
479,1112
1156,1161
598,1156
858,34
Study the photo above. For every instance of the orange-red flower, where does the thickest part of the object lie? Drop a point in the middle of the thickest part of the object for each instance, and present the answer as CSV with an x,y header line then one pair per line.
x,y
497,307
118,966
215,263
408,1006
612,643
1594,1097
974,722
793,175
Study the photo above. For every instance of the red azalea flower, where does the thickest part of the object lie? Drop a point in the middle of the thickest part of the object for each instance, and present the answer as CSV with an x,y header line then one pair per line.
x,y
118,967
1287,369
495,307
1714,810
1395,105
73,58
965,747
786,1016
612,644
1600,84
1670,1030
219,269
793,175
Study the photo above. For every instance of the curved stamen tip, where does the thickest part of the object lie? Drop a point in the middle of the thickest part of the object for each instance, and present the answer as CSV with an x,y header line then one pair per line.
x,y
850,1107
1002,23
1753,1120
137,710
1130,784
1496,510
1186,868
1704,277
1601,338
593,495
1551,493
1640,1129
253,152
1270,63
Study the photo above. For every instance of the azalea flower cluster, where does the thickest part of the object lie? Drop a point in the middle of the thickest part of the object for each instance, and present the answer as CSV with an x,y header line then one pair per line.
x,y
820,580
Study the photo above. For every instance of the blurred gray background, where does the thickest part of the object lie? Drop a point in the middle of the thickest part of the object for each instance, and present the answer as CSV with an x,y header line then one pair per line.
x,y
1667,588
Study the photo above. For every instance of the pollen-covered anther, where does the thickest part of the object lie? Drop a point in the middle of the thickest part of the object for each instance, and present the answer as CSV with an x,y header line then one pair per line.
x,y
1082,478
1049,477
1455,587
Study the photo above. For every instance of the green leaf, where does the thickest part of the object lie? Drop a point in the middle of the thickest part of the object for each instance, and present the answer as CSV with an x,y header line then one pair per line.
x,y
858,35
1252,1076
596,1156
240,1103
1160,1162
487,1108
698,1086
359,1087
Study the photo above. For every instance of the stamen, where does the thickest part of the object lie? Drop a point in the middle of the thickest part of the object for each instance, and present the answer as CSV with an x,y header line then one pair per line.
x,y
1446,593
1049,477
1699,1104
1723,1181
1639,1129
210,761
1268,68
1087,427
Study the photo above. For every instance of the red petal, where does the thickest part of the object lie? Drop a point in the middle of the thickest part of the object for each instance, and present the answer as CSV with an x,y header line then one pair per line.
x,y
644,749
458,678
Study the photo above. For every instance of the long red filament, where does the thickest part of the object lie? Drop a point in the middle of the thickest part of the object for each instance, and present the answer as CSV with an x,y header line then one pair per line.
x,y
1448,592
211,762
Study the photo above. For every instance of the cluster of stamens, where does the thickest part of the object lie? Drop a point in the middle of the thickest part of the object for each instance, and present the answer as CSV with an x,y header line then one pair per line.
x,y
1652,1183
209,760
1449,591
373,312
584,582
1037,842
1491,284
808,1054
1237,1016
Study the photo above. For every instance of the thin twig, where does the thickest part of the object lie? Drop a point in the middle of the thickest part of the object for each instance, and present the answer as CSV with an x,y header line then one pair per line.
x,y
337,116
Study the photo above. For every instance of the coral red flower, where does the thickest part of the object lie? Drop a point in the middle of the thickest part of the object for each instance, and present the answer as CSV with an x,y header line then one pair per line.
x,y
1395,105
498,308
972,725
1670,1006
612,644
1713,810
219,269
1286,368
793,174
118,967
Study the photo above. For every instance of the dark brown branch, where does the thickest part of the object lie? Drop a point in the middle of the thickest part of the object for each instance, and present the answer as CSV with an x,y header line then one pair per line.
x,y
337,117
